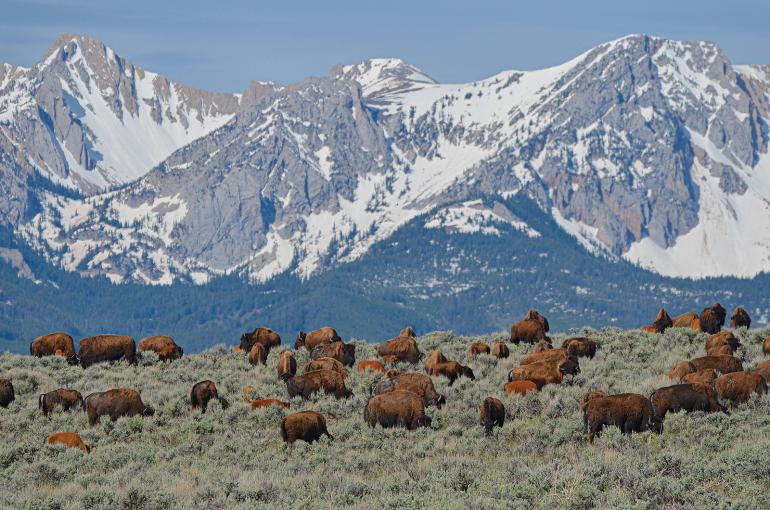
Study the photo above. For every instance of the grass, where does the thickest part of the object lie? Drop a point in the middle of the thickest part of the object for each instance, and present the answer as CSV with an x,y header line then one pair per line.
x,y
234,458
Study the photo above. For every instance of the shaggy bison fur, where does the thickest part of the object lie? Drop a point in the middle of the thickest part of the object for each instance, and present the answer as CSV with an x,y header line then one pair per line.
x,y
630,412
706,376
528,330
740,318
257,354
712,318
685,397
684,320
65,398
721,339
722,363
265,336
308,426
402,349
287,365
7,395
411,381
500,350
408,332
396,408
68,439
344,353
202,393
543,345
54,344
164,346
106,348
545,372
662,321
327,380
581,347
534,315
738,386
434,359
115,404
491,414
325,335
325,364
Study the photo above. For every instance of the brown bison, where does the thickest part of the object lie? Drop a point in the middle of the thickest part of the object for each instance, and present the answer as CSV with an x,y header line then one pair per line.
x,y
115,404
257,354
324,335
662,321
685,397
545,372
681,369
766,346
265,336
371,364
325,364
68,439
261,403
552,354
419,384
308,426
65,398
106,348
491,414
521,387
7,395
51,344
764,372
400,349
407,332
706,376
500,350
721,339
327,380
712,318
684,321
738,386
452,370
528,330
740,318
580,347
543,345
202,393
396,408
720,350
534,315
763,364
164,346
434,359
630,412
724,364
344,353
477,348
287,365
649,329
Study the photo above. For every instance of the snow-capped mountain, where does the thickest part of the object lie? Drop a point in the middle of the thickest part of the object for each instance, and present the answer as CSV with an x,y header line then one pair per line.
x,y
643,148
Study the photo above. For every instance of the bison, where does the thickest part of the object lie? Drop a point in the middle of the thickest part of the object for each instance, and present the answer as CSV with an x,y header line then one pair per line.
x,y
721,339
764,372
202,393
308,426
543,345
738,386
400,349
687,397
164,346
724,364
106,348
287,365
265,336
580,347
7,395
684,321
528,330
681,369
68,439
521,387
552,354
766,346
53,344
491,414
740,318
545,372
706,376
534,315
419,384
477,348
630,412
115,404
434,359
500,350
452,370
261,403
327,380
712,318
407,332
662,321
397,408
65,398
344,353
257,354
371,364
325,364
324,335
720,350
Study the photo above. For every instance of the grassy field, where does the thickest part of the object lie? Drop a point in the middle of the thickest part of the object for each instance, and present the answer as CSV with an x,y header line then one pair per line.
x,y
234,457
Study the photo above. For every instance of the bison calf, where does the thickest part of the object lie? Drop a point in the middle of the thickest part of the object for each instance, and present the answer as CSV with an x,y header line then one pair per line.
x,y
264,402
308,426
68,439
491,414
521,387
371,364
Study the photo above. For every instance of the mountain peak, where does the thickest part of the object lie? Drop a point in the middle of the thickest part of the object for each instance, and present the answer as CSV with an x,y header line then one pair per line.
x,y
379,76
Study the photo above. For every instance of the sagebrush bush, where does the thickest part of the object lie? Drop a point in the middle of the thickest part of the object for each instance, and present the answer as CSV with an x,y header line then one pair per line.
x,y
233,457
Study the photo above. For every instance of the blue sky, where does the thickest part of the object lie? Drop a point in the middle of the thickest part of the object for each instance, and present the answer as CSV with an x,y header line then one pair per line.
x,y
222,45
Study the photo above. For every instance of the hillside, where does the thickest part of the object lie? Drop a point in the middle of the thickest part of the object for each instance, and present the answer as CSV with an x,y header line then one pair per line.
x,y
234,457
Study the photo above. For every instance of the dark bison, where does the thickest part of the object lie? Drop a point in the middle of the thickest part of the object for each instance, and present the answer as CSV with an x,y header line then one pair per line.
x,y
344,353
706,376
477,348
685,320
68,439
419,384
630,412
262,402
662,321
54,344
500,350
491,414
452,370
308,426
740,318
106,348
372,365
324,335
287,365
685,397
7,395
521,387
65,398
265,336
257,354
545,372
722,339
202,393
327,380
534,315
115,404
408,332
325,364
396,409
723,364
712,318
580,346
738,386
400,349
164,346
434,359
528,330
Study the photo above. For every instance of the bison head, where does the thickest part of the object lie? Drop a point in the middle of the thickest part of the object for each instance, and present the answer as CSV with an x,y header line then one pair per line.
x,y
440,401
348,354
73,359
424,421
467,372
534,315
300,341
569,366
148,411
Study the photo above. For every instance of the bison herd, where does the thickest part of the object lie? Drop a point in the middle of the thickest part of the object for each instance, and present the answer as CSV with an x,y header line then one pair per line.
x,y
400,398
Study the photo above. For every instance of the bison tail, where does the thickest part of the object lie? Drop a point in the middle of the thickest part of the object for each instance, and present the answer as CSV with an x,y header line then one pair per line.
x,y
223,402
284,434
40,401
